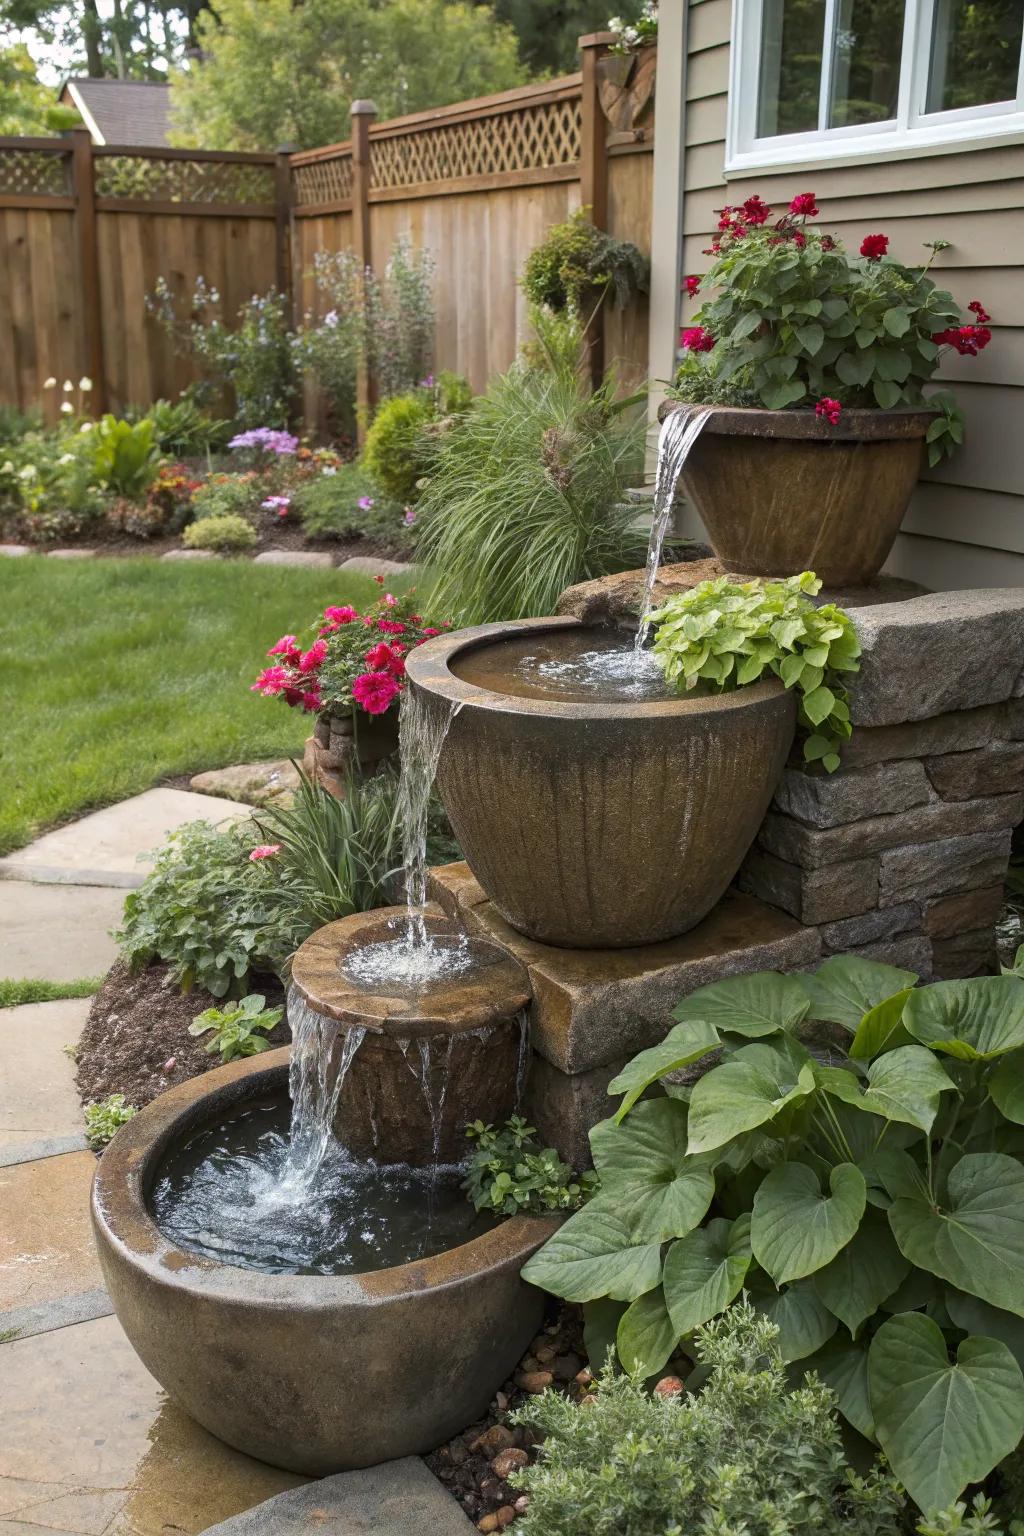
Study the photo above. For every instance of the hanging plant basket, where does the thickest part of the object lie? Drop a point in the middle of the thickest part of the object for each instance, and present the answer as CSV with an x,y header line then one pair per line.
x,y
626,87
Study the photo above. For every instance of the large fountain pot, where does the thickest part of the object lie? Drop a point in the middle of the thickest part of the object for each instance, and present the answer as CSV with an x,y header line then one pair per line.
x,y
314,1373
602,824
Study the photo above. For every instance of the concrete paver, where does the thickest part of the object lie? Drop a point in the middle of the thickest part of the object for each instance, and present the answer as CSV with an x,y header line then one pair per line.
x,y
104,848
57,932
46,1247
38,1099
308,557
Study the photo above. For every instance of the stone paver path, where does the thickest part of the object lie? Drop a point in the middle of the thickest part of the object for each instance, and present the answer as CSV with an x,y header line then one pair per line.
x,y
40,1115
57,932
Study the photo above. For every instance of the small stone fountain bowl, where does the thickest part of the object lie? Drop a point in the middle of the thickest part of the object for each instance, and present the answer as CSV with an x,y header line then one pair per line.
x,y
597,822
314,1373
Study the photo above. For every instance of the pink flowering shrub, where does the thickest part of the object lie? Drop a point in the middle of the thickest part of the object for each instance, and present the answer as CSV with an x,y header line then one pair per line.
x,y
790,318
356,660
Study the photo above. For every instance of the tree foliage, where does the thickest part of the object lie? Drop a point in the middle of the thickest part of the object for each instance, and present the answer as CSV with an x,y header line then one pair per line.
x,y
274,73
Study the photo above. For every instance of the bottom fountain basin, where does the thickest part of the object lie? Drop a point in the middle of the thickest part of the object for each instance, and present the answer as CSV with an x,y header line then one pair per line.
x,y
314,1373
436,1054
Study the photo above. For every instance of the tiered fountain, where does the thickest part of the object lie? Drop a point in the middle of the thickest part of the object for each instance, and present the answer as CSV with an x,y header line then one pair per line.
x,y
319,1293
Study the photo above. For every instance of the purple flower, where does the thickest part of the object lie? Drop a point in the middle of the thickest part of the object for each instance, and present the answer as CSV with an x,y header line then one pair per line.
x,y
365,503
428,382
410,517
276,501
267,438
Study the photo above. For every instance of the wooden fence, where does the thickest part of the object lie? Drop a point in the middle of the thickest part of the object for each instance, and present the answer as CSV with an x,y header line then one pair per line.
x,y
85,231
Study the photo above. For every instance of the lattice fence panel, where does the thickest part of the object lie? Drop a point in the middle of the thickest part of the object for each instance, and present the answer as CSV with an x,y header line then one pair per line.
x,y
529,138
183,181
34,171
322,181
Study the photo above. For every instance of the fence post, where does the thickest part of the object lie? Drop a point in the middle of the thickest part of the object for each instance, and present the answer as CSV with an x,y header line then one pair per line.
x,y
594,171
283,263
84,192
363,115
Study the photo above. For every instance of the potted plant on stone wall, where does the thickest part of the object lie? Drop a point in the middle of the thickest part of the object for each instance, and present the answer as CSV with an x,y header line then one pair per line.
x,y
819,361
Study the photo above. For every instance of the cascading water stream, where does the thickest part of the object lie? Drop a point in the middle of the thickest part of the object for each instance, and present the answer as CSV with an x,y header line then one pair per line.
x,y
679,431
315,1082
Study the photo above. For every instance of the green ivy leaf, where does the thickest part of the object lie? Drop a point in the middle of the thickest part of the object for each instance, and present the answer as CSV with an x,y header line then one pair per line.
x,y
1006,1085
905,1084
977,1242
795,1228
846,987
704,1272
972,1020
645,1171
645,1335
942,1425
862,1275
803,1322
594,1255
762,1004
682,1046
746,1091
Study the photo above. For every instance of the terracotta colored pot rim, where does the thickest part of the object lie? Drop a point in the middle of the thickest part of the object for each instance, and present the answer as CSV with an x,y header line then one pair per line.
x,y
429,667
121,1213
800,423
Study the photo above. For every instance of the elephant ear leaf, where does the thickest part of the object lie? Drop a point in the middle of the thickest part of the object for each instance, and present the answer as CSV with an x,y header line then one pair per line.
x,y
683,1045
942,1424
972,1020
804,1322
975,1241
847,987
904,1085
762,1004
862,1276
797,1229
705,1270
594,1255
1006,1086
645,1336
843,1366
644,1169
882,1028
757,1083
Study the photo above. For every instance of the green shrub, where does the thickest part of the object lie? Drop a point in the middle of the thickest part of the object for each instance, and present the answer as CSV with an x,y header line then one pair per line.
x,y
234,1029
227,495
349,505
16,423
104,1119
526,496
125,456
873,1207
727,634
508,1174
225,532
398,448
576,259
184,429
747,1456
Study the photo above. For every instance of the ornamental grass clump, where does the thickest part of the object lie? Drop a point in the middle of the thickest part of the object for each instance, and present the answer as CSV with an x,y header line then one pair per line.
x,y
727,634
791,318
867,1194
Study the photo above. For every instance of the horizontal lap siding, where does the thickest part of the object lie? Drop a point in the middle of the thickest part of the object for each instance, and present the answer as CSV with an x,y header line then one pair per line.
x,y
966,522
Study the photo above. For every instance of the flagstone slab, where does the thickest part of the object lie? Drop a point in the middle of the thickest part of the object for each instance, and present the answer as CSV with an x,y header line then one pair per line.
x,y
391,1499
90,1437
46,1246
38,1099
104,848
57,932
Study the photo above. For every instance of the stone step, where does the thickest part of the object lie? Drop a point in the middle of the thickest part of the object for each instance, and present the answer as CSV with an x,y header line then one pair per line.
x,y
392,1499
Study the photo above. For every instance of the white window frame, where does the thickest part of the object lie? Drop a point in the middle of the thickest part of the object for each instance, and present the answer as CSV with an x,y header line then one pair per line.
x,y
911,132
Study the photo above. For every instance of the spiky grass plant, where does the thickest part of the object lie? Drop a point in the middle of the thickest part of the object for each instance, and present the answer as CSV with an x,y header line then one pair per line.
x,y
527,496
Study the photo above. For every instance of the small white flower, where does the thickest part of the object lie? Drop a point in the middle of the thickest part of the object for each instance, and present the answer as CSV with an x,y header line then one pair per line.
x,y
7,468
68,386
329,471
50,383
66,458
67,408
85,384
86,426
27,472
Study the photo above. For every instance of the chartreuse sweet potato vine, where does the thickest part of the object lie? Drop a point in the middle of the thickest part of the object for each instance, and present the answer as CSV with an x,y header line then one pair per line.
x,y
872,1207
731,633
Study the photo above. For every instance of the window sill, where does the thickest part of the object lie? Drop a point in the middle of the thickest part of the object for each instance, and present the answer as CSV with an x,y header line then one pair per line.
x,y
832,154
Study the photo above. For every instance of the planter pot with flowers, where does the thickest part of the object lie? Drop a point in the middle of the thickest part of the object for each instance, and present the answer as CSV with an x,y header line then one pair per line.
x,y
818,361
350,676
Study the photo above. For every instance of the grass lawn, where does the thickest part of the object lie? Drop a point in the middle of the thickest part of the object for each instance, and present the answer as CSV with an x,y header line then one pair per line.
x,y
119,673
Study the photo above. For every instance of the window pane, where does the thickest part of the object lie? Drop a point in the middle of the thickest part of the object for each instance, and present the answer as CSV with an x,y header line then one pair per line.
x,y
866,62
975,53
791,47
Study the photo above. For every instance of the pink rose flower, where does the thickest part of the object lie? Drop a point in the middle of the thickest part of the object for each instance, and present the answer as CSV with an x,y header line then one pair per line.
x,y
264,851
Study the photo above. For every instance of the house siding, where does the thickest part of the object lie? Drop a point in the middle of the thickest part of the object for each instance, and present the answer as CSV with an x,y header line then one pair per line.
x,y
965,525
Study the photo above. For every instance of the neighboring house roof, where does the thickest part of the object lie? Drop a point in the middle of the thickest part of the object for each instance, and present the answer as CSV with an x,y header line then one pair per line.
x,y
121,111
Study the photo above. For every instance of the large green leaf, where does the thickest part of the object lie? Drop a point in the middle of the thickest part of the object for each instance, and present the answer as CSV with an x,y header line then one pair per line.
x,y
795,1228
803,1322
862,1275
748,1090
942,1425
847,987
705,1270
905,1084
600,1325
976,1316
646,1173
843,1366
684,1044
646,1336
761,1004
594,1255
977,1241
972,1020
882,1028
1006,1086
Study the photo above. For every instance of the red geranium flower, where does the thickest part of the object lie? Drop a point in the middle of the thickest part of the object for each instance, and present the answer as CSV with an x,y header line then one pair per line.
x,y
874,247
696,339
978,308
691,284
386,658
374,691
755,210
804,205
968,340
830,409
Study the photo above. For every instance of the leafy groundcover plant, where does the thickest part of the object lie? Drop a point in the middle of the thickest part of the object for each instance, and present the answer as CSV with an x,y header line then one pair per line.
x,y
869,1196
726,634
508,1173
234,1029
105,1117
791,318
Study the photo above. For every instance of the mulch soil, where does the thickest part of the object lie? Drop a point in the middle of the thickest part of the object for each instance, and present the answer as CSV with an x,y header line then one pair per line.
x,y
136,1038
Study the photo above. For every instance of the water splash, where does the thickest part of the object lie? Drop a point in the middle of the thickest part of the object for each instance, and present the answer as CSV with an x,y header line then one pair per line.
x,y
523,1061
317,1070
679,431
